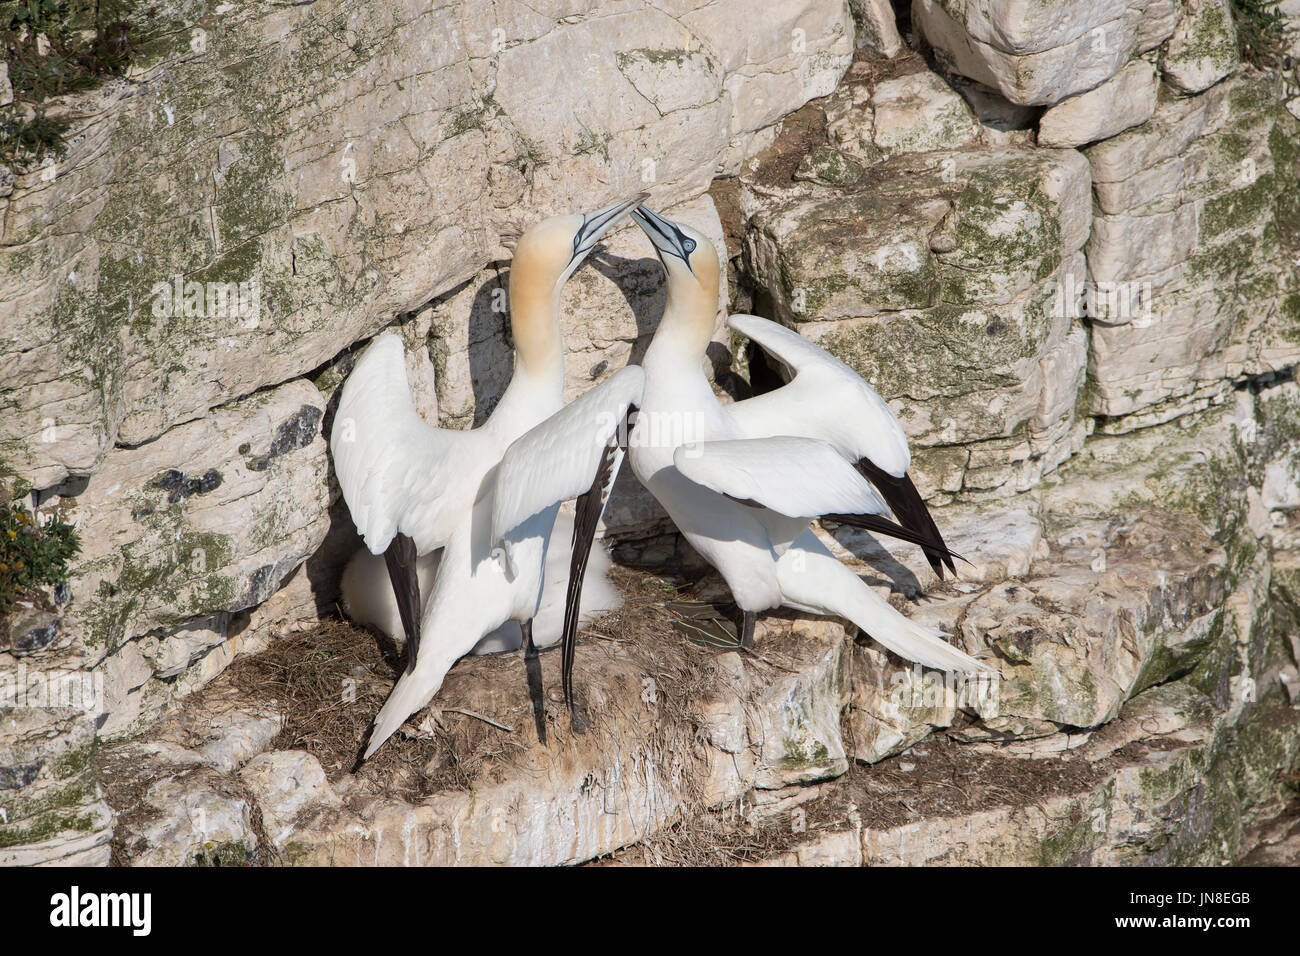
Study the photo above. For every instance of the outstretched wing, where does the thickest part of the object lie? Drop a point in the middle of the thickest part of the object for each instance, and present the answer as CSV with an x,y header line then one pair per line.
x,y
576,453
828,400
394,467
558,459
799,477
824,399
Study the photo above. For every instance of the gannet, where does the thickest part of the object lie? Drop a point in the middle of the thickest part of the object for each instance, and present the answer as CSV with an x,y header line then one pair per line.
x,y
367,596
412,488
742,482
492,568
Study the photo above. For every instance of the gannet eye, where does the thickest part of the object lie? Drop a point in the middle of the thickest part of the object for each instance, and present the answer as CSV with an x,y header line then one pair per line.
x,y
688,245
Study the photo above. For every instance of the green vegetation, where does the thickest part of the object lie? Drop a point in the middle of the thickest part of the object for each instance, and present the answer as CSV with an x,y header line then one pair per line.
x,y
54,47
1259,32
30,137
32,555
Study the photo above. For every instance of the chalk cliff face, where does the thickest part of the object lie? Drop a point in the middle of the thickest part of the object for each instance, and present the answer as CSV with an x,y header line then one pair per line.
x,y
1061,239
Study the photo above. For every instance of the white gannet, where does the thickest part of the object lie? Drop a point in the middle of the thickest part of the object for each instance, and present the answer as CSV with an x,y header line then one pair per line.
x,y
409,486
493,566
742,482
367,596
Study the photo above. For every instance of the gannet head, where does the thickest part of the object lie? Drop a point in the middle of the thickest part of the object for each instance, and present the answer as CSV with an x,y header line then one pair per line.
x,y
545,256
551,251
692,267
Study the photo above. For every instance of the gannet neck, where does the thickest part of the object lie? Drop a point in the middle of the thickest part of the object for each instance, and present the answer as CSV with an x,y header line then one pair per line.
x,y
546,256
535,321
692,271
690,319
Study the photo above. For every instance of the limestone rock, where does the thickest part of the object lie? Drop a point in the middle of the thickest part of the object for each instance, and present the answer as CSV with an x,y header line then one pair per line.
x,y
1192,465
191,817
934,249
876,29
283,783
1158,22
1189,257
919,113
51,808
181,534
1158,804
1021,27
1127,99
1290,10
1277,448
331,179
1203,48
798,732
1033,53
915,112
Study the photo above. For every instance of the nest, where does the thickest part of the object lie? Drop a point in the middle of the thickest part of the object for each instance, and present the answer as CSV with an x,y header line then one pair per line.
x,y
329,682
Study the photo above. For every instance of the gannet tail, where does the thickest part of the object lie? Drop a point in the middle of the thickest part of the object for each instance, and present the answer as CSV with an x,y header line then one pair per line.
x,y
411,692
812,578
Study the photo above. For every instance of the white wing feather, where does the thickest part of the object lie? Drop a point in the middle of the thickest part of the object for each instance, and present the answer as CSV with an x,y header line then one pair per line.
x,y
799,477
392,465
825,399
558,459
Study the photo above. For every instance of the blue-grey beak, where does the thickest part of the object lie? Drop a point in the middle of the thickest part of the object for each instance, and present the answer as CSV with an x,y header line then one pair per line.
x,y
664,234
596,224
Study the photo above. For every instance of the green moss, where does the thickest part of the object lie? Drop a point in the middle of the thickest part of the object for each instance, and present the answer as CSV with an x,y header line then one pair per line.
x,y
1240,209
1084,830
74,761
83,44
1210,38
472,117
39,818
48,827
680,58
174,570
222,854
27,140
830,167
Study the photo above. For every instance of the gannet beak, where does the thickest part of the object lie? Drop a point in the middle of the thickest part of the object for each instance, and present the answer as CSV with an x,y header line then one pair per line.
x,y
664,234
596,224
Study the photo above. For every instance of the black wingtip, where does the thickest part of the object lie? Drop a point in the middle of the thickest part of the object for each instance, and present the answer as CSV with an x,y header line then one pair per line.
x,y
882,525
910,509
590,506
361,756
401,558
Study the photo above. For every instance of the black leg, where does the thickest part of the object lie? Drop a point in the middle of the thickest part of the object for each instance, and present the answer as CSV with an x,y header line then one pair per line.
x,y
745,621
533,667
401,560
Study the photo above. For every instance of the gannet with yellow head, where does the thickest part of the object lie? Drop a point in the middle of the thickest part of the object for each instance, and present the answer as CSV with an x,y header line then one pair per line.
x,y
743,481
412,488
